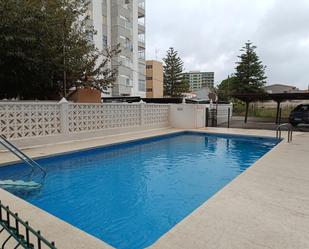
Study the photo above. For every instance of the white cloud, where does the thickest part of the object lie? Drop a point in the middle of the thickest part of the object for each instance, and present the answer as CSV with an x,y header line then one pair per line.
x,y
209,33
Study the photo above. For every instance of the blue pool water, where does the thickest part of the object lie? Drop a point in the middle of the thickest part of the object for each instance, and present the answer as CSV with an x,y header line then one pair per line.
x,y
130,194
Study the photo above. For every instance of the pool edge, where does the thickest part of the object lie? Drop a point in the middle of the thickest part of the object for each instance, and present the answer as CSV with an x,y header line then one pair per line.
x,y
215,224
47,215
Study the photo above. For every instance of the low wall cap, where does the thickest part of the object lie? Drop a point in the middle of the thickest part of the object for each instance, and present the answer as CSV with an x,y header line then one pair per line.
x,y
63,100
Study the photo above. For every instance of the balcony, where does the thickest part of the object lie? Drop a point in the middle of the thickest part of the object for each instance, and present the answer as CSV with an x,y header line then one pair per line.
x,y
126,24
141,45
141,55
141,28
141,12
141,42
126,62
141,8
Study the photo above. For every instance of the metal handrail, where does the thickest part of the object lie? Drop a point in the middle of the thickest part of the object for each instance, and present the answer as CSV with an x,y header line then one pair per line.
x,y
290,131
17,152
12,223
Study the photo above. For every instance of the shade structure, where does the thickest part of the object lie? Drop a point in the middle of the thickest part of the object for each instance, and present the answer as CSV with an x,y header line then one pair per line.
x,y
278,97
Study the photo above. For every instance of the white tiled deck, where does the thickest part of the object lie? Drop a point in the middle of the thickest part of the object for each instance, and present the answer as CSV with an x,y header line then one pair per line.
x,y
265,207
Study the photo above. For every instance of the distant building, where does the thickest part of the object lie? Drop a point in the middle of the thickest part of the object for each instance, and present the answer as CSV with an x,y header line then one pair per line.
x,y
203,94
198,80
280,88
154,79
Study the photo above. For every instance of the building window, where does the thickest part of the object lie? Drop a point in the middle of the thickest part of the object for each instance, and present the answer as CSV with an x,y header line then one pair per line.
x,y
125,80
125,22
149,90
128,44
148,66
104,21
105,41
141,85
141,38
141,4
149,78
141,54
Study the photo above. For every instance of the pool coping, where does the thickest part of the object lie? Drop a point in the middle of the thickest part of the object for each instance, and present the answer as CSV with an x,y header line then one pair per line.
x,y
264,207
172,239
166,132
178,132
9,161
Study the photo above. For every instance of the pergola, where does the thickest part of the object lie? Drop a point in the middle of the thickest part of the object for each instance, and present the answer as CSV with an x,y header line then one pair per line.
x,y
278,97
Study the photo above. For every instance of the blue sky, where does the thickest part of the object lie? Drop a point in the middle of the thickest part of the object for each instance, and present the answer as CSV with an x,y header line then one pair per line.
x,y
209,34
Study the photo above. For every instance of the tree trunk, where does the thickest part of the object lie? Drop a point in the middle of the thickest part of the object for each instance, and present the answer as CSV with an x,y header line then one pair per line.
x,y
278,110
247,109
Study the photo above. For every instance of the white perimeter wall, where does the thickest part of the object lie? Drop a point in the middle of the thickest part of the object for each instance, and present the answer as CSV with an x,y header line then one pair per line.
x,y
189,116
19,120
222,113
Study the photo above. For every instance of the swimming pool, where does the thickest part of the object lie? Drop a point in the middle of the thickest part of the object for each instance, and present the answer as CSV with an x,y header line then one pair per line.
x,y
130,194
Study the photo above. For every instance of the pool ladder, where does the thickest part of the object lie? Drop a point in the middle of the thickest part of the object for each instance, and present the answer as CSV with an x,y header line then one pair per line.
x,y
17,152
290,131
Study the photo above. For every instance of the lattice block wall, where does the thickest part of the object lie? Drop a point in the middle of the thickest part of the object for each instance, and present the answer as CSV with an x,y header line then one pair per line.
x,y
21,120
90,117
156,115
26,119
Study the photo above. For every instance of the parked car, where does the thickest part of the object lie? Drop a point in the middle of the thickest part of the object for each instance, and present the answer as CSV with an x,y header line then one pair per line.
x,y
300,115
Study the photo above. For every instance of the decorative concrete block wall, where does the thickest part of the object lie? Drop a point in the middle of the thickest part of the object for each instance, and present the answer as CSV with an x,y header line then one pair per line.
x,y
37,119
29,119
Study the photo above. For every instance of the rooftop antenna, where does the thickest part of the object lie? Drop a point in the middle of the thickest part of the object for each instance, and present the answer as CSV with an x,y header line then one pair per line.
x,y
156,52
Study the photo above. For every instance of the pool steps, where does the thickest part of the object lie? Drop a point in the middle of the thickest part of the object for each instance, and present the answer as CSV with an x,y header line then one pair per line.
x,y
29,183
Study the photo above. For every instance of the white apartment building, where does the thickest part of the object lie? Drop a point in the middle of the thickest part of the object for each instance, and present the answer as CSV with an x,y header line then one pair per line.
x,y
198,80
122,21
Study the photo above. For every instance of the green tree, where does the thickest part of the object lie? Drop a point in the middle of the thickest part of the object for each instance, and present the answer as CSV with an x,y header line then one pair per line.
x,y
174,82
20,61
226,88
100,77
46,48
250,72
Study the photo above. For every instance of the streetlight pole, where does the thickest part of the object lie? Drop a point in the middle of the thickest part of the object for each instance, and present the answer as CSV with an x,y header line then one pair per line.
x,y
64,60
228,87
